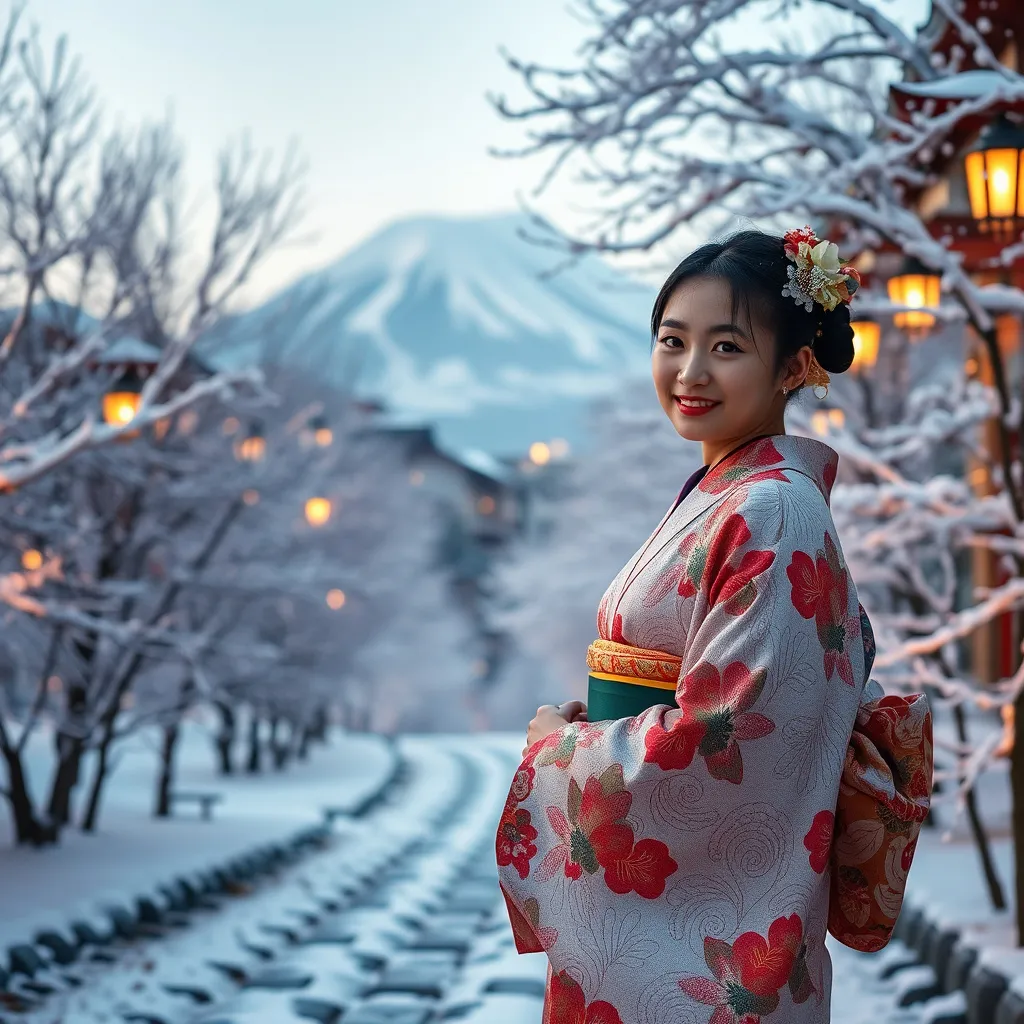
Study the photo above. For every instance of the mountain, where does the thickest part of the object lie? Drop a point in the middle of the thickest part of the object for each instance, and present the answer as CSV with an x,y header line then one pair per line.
x,y
453,322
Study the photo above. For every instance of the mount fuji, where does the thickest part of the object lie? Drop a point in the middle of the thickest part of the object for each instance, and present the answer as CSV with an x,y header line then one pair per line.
x,y
452,322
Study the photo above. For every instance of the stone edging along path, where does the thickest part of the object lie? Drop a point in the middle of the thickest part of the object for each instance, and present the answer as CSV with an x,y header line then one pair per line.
x,y
24,965
959,965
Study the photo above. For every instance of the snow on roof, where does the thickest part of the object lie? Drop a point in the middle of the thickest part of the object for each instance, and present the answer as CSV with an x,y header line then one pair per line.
x,y
480,462
967,85
129,350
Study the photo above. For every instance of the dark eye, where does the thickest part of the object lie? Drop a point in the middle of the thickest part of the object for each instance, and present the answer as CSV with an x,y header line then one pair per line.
x,y
671,341
730,346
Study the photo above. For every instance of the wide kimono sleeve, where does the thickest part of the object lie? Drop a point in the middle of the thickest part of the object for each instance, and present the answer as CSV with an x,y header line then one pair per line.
x,y
751,753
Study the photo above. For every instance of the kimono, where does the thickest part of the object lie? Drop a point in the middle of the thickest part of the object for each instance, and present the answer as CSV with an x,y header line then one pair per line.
x,y
676,866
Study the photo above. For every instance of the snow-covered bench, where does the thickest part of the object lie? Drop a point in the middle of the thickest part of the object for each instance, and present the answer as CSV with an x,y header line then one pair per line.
x,y
206,801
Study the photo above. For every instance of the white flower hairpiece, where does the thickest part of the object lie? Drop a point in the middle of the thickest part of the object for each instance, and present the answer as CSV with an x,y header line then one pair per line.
x,y
817,276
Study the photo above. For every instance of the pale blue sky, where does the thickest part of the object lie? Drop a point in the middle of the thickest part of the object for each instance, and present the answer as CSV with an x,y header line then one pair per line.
x,y
386,97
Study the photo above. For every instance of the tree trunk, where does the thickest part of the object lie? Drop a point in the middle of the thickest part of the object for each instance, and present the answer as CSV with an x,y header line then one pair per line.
x,y
165,780
65,778
318,727
92,810
1017,788
254,764
27,827
995,887
278,750
226,739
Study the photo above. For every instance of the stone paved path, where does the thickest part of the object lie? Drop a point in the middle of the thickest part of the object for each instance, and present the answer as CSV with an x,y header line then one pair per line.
x,y
396,921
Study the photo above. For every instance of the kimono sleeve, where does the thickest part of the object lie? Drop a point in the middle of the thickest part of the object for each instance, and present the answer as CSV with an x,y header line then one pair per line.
x,y
765,702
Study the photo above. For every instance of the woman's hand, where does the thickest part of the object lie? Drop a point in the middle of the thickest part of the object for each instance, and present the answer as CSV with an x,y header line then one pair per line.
x,y
550,718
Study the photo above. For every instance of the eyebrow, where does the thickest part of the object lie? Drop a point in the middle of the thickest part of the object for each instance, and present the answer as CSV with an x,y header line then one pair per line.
x,y
679,325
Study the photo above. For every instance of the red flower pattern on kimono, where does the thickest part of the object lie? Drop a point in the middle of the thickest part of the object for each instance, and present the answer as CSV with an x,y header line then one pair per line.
x,y
709,563
594,835
559,747
716,716
749,973
757,456
515,844
566,1004
818,841
820,591
522,784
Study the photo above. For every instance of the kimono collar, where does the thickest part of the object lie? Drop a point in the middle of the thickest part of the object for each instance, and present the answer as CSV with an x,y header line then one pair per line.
x,y
768,458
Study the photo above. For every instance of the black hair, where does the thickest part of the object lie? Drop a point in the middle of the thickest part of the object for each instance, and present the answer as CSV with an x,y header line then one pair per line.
x,y
754,264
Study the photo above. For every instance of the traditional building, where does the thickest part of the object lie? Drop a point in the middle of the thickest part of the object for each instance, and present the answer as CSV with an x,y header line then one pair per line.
x,y
975,206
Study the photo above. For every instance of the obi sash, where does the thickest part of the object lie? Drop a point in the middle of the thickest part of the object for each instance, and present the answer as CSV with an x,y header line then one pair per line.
x,y
884,790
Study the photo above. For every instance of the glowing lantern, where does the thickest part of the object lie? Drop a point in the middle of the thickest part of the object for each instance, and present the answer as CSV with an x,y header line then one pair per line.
x,y
819,422
993,169
322,433
318,511
121,404
917,288
336,599
486,505
540,453
866,336
31,560
253,446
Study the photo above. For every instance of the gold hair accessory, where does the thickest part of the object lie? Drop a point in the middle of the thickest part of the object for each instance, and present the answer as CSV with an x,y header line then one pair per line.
x,y
817,379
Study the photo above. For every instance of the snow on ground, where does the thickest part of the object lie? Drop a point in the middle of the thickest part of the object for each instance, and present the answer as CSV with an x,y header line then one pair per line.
x,y
132,851
946,877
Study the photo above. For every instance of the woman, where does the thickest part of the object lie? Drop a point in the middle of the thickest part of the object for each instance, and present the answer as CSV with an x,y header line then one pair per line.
x,y
675,861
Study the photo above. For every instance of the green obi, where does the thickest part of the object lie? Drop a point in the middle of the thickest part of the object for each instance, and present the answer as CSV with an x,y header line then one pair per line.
x,y
612,697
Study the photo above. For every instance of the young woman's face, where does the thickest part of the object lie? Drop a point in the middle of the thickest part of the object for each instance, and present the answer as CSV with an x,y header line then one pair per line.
x,y
715,377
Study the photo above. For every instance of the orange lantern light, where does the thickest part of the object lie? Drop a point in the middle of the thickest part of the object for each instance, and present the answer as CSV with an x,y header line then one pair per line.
x,y
318,511
995,185
253,446
866,336
917,288
122,402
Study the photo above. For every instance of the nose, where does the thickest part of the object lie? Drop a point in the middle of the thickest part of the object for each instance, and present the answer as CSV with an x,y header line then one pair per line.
x,y
693,368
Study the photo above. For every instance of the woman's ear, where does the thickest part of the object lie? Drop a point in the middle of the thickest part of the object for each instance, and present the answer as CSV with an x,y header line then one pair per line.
x,y
797,367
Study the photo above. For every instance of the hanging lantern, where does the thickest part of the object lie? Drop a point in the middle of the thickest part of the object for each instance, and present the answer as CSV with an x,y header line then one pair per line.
x,y
121,403
866,336
917,288
253,446
318,511
994,180
322,433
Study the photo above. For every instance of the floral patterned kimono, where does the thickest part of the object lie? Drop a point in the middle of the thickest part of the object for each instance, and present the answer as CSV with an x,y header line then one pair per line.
x,y
675,866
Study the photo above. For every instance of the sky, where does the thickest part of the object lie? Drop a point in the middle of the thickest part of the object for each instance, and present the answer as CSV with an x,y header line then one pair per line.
x,y
386,98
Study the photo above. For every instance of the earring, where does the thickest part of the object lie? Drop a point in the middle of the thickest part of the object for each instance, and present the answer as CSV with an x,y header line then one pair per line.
x,y
785,390
820,391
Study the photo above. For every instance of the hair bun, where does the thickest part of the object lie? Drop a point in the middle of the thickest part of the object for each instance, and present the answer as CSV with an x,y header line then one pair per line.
x,y
834,347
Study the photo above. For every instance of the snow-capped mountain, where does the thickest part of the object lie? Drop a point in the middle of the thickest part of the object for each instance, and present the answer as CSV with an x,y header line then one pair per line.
x,y
454,323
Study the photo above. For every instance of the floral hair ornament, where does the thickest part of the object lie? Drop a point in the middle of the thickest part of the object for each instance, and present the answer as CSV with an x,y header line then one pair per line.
x,y
817,277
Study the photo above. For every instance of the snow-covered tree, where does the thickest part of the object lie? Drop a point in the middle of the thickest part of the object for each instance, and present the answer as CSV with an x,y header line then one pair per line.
x,y
97,265
683,115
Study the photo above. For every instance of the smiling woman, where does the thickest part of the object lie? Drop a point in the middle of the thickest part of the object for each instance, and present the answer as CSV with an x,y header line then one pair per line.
x,y
731,346
694,808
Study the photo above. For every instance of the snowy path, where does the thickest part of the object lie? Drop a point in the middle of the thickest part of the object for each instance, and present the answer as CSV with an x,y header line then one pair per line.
x,y
397,921
132,852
